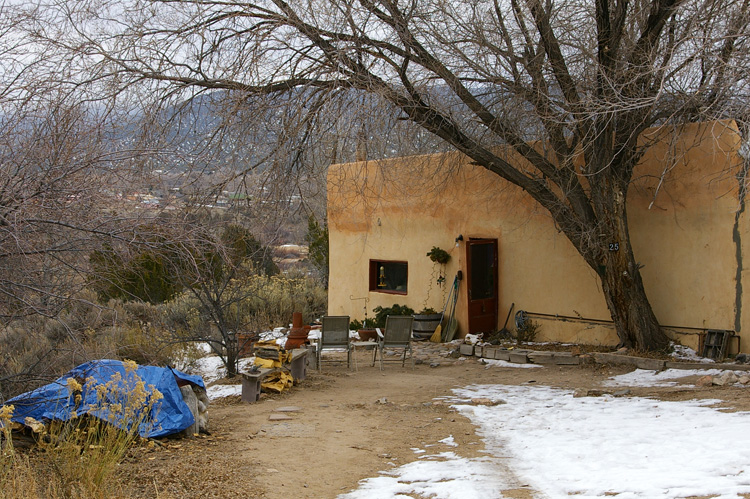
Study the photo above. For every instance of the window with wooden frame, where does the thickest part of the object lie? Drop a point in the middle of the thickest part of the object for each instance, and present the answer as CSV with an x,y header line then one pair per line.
x,y
389,276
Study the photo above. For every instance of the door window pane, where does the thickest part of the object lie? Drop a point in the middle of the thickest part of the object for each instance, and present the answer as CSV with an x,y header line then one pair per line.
x,y
482,271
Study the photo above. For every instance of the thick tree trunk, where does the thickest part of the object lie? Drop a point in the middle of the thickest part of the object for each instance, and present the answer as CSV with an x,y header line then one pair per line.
x,y
232,354
634,319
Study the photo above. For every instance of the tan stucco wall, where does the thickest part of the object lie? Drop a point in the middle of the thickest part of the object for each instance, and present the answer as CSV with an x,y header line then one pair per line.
x,y
682,228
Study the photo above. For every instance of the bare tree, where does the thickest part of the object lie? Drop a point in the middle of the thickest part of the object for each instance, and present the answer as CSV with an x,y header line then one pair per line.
x,y
568,85
60,199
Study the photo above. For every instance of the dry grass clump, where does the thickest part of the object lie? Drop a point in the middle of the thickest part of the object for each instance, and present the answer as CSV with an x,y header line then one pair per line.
x,y
78,458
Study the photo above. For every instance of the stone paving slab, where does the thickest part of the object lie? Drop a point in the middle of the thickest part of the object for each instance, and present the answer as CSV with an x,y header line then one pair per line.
x,y
285,429
279,417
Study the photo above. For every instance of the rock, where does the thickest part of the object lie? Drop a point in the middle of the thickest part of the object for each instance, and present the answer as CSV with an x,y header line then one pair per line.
x,y
583,392
744,379
202,396
418,361
486,401
705,381
727,378
742,358
434,364
191,400
621,393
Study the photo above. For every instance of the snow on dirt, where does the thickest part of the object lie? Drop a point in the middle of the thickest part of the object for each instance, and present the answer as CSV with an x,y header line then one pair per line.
x,y
582,446
558,444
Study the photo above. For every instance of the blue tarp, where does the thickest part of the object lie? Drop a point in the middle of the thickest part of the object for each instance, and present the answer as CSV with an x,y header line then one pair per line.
x,y
55,401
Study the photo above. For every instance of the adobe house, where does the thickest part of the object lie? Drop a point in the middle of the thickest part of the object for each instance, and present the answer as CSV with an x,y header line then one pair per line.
x,y
687,220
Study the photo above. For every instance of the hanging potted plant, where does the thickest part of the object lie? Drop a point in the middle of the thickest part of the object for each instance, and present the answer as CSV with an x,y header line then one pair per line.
x,y
439,255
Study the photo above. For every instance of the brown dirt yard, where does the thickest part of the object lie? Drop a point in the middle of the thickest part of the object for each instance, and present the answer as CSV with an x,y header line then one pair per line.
x,y
350,425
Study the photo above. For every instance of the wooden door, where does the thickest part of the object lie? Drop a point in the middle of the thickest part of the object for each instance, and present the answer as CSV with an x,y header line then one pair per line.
x,y
481,266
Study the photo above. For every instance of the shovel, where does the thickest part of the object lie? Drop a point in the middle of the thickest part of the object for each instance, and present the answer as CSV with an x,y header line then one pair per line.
x,y
504,333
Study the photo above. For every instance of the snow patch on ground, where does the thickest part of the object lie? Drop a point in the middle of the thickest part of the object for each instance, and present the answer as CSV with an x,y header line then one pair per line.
x,y
595,446
648,378
584,447
220,391
445,475
686,353
504,363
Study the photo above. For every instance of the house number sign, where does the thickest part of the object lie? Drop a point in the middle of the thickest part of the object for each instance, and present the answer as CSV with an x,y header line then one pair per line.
x,y
614,246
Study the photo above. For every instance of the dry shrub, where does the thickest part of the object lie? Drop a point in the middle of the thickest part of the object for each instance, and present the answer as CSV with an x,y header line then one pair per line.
x,y
38,349
528,331
258,303
17,478
79,457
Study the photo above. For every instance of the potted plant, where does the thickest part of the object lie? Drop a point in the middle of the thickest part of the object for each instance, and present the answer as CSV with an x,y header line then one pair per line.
x,y
425,323
382,313
439,255
364,332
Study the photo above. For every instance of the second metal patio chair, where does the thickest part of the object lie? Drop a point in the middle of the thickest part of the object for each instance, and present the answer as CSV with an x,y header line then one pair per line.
x,y
397,335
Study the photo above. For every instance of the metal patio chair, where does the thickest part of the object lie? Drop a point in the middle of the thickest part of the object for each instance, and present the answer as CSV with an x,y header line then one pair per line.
x,y
334,335
397,335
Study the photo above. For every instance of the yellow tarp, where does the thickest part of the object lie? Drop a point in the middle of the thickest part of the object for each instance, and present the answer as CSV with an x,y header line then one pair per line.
x,y
284,356
277,382
267,363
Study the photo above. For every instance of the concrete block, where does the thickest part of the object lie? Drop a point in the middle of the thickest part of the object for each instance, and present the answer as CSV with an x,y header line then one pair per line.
x,y
312,357
488,352
541,357
519,357
613,358
639,362
566,359
502,354
649,364
466,349
251,387
299,363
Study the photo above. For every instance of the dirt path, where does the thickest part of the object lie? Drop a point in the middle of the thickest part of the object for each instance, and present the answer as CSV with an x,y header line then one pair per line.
x,y
349,426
